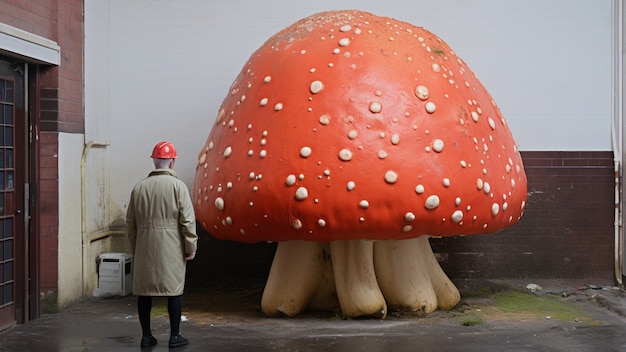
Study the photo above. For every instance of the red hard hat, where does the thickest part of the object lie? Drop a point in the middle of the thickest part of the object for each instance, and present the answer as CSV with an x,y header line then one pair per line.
x,y
164,150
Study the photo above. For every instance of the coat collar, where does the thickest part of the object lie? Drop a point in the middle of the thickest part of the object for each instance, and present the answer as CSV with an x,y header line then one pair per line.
x,y
163,172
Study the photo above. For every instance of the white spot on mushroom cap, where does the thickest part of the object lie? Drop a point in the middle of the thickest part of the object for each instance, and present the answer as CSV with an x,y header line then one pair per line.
x,y
321,222
344,41
375,107
297,224
345,28
351,185
395,139
391,177
419,189
438,145
278,106
409,216
290,180
227,152
364,204
219,203
430,107
305,152
324,119
316,87
432,202
302,193
495,209
345,155
457,216
421,92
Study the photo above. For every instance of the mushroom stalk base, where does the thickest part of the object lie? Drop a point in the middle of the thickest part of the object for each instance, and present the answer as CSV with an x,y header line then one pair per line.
x,y
355,279
361,277
410,276
300,278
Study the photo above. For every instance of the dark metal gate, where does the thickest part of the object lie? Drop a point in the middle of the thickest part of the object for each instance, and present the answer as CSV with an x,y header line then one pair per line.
x,y
13,240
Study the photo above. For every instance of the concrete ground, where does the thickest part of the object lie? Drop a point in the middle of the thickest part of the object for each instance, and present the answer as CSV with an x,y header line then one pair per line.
x,y
226,316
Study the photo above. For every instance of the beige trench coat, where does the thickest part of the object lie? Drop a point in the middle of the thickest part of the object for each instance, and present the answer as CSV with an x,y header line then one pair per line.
x,y
161,229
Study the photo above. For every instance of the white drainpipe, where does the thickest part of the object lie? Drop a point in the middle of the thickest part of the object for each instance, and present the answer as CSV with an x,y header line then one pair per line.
x,y
618,225
83,206
617,132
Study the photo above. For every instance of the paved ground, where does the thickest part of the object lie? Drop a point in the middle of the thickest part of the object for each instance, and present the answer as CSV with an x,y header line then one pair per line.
x,y
225,316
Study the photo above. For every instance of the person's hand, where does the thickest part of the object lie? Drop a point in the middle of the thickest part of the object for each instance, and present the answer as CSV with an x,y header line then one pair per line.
x,y
190,256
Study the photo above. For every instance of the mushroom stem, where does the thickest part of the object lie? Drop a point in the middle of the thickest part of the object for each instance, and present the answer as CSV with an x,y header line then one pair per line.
x,y
402,276
355,279
447,294
299,275
410,276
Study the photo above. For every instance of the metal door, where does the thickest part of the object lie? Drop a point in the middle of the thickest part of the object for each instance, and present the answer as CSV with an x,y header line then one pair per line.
x,y
12,188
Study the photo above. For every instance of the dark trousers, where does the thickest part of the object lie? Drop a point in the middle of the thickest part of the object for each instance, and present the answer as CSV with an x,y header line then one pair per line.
x,y
174,309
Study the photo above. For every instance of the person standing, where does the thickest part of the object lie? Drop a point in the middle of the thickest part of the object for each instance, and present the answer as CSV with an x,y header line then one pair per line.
x,y
161,229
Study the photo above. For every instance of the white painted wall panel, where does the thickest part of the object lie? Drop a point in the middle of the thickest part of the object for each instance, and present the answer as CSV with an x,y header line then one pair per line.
x,y
170,63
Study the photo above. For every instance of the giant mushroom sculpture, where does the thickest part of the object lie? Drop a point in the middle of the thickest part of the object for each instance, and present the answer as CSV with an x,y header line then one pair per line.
x,y
351,139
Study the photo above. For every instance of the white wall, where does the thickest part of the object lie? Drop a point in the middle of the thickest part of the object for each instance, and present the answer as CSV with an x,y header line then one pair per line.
x,y
165,67
70,243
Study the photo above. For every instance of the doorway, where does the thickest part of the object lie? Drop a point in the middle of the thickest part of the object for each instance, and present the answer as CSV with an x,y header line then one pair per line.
x,y
14,217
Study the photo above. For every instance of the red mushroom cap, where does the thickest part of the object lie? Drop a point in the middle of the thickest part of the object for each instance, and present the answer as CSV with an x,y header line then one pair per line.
x,y
348,125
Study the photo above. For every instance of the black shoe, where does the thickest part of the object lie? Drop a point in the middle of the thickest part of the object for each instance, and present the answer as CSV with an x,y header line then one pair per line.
x,y
178,341
148,341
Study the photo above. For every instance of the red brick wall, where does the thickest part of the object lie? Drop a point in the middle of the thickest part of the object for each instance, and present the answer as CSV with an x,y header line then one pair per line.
x,y
60,108
566,232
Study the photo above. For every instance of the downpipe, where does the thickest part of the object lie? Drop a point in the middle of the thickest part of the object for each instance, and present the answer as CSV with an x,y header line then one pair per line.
x,y
618,225
83,207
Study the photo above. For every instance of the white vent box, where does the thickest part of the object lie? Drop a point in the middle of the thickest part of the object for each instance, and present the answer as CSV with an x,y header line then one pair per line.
x,y
115,274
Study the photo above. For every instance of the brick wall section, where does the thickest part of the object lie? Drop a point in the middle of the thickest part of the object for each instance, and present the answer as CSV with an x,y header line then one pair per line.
x,y
62,22
566,232
61,109
48,212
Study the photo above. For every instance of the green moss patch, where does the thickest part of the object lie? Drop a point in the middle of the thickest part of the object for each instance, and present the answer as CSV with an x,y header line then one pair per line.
x,y
517,302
